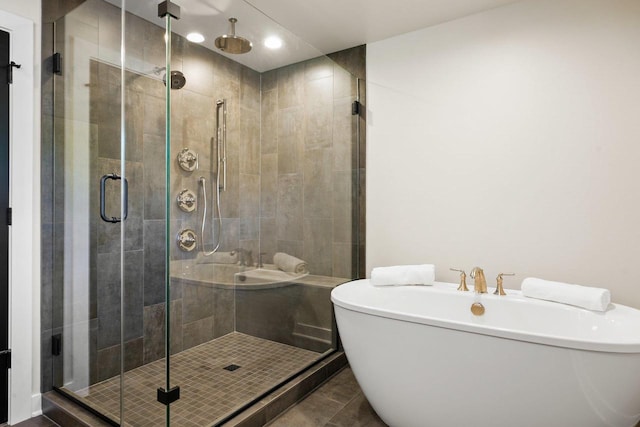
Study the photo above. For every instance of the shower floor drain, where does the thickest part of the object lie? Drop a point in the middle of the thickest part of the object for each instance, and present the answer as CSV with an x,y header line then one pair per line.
x,y
231,367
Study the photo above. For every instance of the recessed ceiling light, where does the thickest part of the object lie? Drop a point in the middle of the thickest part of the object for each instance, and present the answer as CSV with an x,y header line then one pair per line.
x,y
195,37
273,42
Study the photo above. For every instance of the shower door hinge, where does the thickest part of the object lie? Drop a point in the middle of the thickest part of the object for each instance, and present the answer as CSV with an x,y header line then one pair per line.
x,y
5,358
167,8
56,344
57,63
167,397
355,108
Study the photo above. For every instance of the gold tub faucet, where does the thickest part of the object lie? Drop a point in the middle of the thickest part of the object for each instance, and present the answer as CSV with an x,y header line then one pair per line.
x,y
479,282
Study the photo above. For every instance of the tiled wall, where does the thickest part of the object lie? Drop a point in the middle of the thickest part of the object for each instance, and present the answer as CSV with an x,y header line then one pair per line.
x,y
307,151
209,77
354,61
290,182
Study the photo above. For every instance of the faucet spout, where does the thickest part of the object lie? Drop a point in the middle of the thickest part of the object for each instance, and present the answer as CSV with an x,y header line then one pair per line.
x,y
245,257
479,282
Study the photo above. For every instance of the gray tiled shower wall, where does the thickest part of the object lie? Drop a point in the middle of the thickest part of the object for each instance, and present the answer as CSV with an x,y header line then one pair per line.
x,y
291,172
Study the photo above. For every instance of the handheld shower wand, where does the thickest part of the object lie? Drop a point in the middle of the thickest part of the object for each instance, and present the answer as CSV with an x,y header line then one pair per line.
x,y
221,142
203,182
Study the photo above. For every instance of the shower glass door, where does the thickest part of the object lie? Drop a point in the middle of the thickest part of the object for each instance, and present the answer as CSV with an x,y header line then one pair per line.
x,y
109,292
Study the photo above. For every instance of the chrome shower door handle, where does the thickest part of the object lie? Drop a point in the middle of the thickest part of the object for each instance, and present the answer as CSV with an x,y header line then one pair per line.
x,y
103,208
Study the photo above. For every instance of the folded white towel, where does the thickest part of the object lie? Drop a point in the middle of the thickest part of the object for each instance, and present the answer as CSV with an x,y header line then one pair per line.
x,y
289,263
597,299
217,258
398,275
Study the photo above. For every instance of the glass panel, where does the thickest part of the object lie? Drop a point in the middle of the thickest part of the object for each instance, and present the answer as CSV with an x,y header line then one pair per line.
x,y
170,81
145,66
87,167
58,189
281,182
99,138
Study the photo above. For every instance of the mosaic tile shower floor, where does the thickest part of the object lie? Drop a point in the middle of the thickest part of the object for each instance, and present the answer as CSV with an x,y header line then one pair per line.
x,y
207,391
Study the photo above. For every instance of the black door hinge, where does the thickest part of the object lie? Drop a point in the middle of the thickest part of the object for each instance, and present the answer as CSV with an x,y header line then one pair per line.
x,y
57,63
167,8
355,108
167,397
5,358
9,216
10,68
56,344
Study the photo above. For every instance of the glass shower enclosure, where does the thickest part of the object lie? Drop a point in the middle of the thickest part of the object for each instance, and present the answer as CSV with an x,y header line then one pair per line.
x,y
206,203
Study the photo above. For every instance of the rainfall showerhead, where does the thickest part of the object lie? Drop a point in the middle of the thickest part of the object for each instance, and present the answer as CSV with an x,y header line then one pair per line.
x,y
178,80
230,43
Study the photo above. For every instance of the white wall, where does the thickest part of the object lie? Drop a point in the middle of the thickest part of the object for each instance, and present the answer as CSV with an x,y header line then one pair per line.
x,y
25,199
30,9
510,140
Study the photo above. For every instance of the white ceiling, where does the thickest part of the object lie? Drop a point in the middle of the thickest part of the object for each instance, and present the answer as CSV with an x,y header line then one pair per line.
x,y
332,25
309,28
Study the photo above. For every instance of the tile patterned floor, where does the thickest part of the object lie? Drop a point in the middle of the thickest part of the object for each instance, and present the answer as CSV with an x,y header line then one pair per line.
x,y
337,403
207,391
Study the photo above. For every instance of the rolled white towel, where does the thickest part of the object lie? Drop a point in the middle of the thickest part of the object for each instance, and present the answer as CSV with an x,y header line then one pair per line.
x,y
289,263
398,275
597,299
217,258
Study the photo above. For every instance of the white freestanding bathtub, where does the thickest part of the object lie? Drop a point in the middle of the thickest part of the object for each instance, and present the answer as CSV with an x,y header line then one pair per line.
x,y
424,360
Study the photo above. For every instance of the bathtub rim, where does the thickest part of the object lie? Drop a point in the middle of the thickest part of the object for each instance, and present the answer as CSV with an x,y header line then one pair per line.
x,y
182,273
536,338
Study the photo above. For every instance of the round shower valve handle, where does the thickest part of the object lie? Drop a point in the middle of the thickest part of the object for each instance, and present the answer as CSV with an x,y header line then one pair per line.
x,y
187,200
188,160
187,240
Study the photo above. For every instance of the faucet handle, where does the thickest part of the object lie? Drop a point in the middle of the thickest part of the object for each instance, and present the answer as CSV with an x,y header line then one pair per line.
x,y
463,280
248,258
242,255
499,289
260,256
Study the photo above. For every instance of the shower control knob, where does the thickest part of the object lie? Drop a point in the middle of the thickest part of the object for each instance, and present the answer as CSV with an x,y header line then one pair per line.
x,y
187,240
187,200
188,160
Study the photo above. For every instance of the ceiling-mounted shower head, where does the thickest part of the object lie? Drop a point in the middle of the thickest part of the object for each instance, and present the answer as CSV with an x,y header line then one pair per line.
x,y
230,43
177,80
